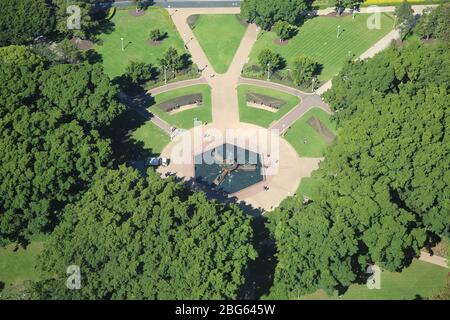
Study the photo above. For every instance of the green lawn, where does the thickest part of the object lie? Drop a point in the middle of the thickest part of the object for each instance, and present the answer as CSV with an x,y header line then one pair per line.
x,y
317,39
135,31
262,117
419,280
19,266
309,187
315,145
153,138
220,36
185,119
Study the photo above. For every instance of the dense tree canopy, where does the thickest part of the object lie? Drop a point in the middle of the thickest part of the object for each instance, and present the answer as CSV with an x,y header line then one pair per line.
x,y
266,13
137,238
435,22
384,182
284,30
51,146
87,23
23,20
267,59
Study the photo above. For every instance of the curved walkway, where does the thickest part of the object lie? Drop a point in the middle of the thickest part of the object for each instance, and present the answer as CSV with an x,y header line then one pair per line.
x,y
307,102
177,85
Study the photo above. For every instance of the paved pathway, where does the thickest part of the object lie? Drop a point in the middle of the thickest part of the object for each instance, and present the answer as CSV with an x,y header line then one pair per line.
x,y
307,102
177,85
225,110
137,104
437,260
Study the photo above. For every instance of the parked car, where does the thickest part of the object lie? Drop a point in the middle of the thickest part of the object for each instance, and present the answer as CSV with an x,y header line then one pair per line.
x,y
156,162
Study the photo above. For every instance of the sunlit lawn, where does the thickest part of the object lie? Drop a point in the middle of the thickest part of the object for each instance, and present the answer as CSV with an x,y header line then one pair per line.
x,y
185,119
135,31
262,117
317,39
420,280
305,139
219,35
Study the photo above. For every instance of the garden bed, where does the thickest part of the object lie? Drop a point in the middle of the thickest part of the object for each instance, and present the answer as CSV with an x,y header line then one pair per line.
x,y
171,106
83,45
321,129
263,100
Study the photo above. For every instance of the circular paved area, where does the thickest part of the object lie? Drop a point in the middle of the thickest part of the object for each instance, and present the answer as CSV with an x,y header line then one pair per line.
x,y
282,167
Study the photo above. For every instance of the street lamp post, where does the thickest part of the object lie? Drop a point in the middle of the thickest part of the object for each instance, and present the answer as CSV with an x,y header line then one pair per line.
x,y
165,74
268,71
338,31
123,49
313,82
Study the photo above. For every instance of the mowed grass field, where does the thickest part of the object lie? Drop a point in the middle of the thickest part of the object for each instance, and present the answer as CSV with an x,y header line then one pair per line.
x,y
317,39
136,34
219,36
153,138
420,280
301,131
185,119
19,266
262,117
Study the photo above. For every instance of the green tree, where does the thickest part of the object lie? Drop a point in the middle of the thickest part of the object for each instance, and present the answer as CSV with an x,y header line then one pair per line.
x,y
442,22
384,182
303,70
69,52
426,26
340,5
266,13
269,59
83,92
88,25
404,18
153,240
173,60
157,35
284,30
139,72
51,147
23,20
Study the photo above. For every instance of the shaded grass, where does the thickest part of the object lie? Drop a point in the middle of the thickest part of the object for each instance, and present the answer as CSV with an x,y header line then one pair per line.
x,y
262,117
136,33
317,39
219,36
301,132
420,280
153,138
185,119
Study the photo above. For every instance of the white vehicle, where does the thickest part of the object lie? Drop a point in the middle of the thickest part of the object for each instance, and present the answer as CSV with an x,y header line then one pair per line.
x,y
156,162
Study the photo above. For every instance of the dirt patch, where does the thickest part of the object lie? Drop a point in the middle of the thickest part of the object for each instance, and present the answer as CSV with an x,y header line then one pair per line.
x,y
82,45
179,102
280,42
321,129
260,99
134,13
155,43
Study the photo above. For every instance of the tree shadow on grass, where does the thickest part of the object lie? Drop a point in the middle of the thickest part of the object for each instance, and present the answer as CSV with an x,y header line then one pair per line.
x,y
260,272
124,147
